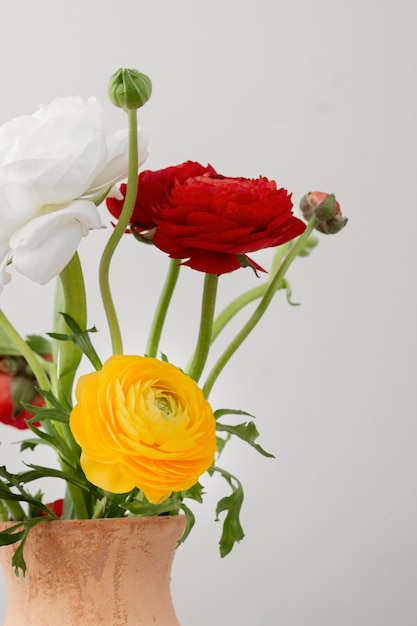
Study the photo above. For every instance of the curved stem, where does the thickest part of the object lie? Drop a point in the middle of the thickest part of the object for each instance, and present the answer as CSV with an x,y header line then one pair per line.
x,y
234,307
120,228
162,308
244,299
259,311
206,324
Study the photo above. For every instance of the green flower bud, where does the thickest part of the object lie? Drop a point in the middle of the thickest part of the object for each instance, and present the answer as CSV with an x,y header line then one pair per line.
x,y
129,89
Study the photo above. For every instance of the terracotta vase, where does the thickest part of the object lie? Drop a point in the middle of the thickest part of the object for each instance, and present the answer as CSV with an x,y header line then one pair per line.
x,y
94,572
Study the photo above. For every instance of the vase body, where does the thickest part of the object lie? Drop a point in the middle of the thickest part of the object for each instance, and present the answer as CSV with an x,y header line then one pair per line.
x,y
113,572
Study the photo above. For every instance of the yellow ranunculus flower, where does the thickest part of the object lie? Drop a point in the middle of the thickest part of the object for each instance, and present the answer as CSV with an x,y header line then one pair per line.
x,y
141,422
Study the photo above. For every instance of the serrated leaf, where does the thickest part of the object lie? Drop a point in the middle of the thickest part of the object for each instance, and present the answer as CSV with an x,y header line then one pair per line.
x,y
18,561
232,529
11,535
221,443
23,496
247,432
194,493
143,508
220,412
29,444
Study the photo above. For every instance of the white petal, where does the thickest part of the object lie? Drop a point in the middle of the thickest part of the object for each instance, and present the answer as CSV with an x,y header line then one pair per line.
x,y
18,204
46,244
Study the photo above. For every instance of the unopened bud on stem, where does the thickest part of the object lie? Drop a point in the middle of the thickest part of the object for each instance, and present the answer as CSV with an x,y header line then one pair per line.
x,y
129,89
325,208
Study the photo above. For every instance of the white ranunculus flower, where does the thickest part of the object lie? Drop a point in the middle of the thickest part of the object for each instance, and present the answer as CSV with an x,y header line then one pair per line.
x,y
54,166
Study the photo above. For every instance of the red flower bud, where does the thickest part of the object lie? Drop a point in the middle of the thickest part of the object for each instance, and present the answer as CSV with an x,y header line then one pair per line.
x,y
325,208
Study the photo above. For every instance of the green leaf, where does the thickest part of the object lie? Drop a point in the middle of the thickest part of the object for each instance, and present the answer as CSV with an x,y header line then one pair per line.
x,y
4,514
190,522
17,481
221,443
220,412
11,535
55,411
18,561
247,432
39,471
232,529
144,508
39,344
194,493
23,496
80,338
29,444
53,440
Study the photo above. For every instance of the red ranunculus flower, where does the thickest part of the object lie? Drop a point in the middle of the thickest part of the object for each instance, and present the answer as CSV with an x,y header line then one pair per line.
x,y
17,385
213,221
153,187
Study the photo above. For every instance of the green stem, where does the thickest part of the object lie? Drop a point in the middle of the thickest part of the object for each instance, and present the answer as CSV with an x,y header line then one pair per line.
x,y
244,299
71,299
162,308
259,311
80,499
199,358
120,228
234,307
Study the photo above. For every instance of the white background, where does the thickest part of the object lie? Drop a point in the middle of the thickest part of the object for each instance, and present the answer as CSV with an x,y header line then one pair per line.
x,y
315,94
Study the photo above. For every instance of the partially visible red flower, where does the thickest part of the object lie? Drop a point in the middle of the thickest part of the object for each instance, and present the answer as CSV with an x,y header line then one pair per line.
x,y
213,221
56,507
17,384
153,188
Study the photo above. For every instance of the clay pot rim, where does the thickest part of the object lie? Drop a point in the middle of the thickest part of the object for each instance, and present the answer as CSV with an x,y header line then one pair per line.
x,y
148,520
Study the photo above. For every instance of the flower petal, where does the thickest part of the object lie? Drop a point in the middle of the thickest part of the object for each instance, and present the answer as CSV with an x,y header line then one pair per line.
x,y
18,204
107,475
46,244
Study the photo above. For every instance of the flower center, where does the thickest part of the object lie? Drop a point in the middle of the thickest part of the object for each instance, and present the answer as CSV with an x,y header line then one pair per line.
x,y
164,405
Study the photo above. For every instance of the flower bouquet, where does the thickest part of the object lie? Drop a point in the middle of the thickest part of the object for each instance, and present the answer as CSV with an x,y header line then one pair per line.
x,y
135,435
